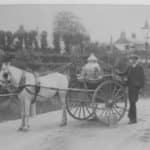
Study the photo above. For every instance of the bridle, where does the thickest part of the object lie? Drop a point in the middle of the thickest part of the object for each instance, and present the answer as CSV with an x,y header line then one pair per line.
x,y
11,84
18,88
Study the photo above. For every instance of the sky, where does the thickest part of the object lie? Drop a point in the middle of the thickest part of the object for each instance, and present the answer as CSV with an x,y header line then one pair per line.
x,y
100,21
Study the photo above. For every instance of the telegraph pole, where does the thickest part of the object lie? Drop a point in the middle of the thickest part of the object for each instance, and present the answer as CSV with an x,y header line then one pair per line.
x,y
112,52
146,28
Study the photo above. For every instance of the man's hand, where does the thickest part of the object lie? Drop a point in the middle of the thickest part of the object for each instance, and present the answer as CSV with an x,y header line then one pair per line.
x,y
141,92
118,72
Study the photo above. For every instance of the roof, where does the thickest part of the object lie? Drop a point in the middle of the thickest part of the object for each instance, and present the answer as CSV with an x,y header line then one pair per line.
x,y
122,41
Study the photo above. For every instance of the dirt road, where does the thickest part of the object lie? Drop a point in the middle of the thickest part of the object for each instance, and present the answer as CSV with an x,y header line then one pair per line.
x,y
45,133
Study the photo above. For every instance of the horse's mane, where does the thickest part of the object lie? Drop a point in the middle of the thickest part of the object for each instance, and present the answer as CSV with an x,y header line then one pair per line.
x,y
33,72
19,69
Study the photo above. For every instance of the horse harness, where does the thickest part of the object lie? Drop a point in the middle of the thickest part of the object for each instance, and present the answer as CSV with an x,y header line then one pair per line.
x,y
23,86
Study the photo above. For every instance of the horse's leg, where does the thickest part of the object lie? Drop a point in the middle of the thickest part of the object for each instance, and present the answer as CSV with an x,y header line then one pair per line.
x,y
27,113
62,96
33,109
22,108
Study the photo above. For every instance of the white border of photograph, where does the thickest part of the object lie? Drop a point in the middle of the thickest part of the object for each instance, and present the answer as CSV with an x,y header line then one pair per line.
x,y
118,2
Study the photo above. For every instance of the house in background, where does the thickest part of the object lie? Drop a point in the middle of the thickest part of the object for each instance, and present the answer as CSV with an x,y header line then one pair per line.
x,y
126,45
122,43
136,45
132,44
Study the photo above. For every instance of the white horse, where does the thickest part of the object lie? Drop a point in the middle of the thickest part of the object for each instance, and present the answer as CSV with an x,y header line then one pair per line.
x,y
11,76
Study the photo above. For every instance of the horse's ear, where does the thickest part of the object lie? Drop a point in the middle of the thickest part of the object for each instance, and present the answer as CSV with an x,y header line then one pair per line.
x,y
2,65
5,64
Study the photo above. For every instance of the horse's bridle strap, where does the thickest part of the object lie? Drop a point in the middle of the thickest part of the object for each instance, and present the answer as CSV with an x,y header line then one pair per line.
x,y
22,82
22,86
37,88
29,89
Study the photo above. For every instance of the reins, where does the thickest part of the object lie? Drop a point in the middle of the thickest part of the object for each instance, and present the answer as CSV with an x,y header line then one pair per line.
x,y
22,86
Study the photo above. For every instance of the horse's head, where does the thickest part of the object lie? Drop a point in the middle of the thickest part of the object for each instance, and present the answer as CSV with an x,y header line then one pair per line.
x,y
6,77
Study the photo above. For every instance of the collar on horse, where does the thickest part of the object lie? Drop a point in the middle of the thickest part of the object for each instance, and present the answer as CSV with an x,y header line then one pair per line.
x,y
22,86
37,87
22,82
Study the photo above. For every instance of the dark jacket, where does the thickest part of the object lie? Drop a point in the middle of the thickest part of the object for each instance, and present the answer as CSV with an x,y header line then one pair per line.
x,y
135,76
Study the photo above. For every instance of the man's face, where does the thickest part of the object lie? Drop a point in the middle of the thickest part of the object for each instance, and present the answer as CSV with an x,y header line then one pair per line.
x,y
132,60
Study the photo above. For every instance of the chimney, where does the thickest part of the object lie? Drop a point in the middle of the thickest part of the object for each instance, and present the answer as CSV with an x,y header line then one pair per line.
x,y
133,36
123,35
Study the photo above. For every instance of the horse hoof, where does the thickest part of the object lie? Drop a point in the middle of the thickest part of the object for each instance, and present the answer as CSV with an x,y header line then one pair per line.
x,y
20,129
93,119
63,124
25,129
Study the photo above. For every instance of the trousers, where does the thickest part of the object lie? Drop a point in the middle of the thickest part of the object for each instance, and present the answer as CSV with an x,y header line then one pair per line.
x,y
133,94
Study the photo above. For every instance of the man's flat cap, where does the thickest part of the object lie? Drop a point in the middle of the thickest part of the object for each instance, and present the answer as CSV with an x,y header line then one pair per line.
x,y
133,56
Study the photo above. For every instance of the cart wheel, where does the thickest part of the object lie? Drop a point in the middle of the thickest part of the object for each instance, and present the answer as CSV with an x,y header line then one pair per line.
x,y
111,100
79,106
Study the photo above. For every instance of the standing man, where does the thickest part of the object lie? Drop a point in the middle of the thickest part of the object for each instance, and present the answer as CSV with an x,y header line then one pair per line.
x,y
135,82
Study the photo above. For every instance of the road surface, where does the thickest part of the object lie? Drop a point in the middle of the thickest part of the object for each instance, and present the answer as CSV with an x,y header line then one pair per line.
x,y
45,133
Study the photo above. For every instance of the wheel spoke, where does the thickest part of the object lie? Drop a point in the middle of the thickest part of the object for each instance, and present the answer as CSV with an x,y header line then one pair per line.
x,y
87,109
114,91
84,114
120,107
118,92
117,111
76,110
79,112
114,113
109,90
75,105
119,97
102,94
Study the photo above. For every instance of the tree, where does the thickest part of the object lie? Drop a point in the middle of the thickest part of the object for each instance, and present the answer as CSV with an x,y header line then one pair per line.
x,y
27,40
9,37
30,39
68,27
33,39
20,35
56,42
2,39
43,40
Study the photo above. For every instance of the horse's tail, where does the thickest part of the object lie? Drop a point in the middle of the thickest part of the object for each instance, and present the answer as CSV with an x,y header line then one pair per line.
x,y
67,74
66,71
